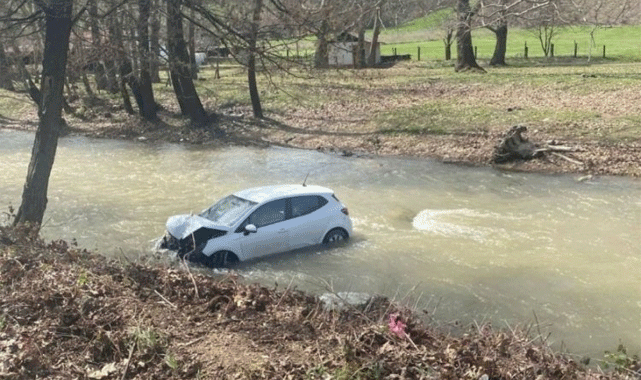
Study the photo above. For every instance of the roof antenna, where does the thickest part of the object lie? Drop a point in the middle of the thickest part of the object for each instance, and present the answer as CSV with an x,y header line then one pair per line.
x,y
305,180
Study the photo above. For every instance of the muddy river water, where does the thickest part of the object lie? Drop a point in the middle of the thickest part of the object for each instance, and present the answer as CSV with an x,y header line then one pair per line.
x,y
466,244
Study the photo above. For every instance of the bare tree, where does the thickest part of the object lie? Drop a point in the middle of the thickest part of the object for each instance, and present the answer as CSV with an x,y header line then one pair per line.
x,y
5,72
99,69
251,61
148,106
58,20
191,42
465,54
179,65
601,14
154,42
371,59
496,15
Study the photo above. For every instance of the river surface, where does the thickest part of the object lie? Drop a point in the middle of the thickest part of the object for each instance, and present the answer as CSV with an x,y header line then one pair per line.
x,y
465,244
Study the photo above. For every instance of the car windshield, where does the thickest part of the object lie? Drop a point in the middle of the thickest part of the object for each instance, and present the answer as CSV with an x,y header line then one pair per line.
x,y
228,210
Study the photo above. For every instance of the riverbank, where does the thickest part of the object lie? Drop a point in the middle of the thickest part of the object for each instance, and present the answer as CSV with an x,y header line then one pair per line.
x,y
407,110
476,149
68,313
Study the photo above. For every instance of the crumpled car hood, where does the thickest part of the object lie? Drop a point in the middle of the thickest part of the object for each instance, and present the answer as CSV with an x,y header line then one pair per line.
x,y
181,226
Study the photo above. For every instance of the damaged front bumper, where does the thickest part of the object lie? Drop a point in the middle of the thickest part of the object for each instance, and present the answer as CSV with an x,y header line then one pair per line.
x,y
180,246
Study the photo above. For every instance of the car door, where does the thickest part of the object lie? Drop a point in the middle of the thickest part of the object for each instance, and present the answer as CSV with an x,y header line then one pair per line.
x,y
271,234
308,223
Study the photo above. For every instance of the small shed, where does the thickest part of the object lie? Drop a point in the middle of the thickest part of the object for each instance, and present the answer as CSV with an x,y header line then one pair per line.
x,y
342,50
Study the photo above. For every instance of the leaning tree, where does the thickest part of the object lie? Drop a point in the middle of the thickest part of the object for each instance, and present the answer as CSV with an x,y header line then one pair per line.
x,y
58,21
180,67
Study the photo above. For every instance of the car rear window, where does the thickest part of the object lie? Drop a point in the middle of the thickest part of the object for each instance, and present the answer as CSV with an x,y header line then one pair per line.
x,y
306,204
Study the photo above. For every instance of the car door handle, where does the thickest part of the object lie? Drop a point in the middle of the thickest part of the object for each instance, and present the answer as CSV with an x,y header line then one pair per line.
x,y
282,231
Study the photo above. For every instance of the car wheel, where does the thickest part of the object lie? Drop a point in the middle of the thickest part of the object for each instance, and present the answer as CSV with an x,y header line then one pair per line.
x,y
221,259
334,236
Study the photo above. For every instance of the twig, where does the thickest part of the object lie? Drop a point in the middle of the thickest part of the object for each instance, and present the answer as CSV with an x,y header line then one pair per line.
x,y
193,280
561,148
131,353
420,296
411,291
576,162
538,328
122,253
284,293
411,341
166,300
191,342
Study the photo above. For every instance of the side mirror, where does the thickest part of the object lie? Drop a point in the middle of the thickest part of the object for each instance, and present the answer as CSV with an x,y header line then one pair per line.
x,y
250,228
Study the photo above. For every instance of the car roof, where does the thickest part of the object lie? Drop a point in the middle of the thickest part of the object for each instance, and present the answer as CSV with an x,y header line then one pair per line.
x,y
266,193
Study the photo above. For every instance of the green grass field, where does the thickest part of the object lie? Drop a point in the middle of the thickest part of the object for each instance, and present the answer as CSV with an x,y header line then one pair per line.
x,y
621,42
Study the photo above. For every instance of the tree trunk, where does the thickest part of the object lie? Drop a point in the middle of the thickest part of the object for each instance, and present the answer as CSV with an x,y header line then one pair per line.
x,y
99,70
448,44
359,54
179,66
123,66
148,109
321,56
154,44
5,70
57,30
127,75
251,63
371,58
125,98
192,47
498,58
515,146
465,59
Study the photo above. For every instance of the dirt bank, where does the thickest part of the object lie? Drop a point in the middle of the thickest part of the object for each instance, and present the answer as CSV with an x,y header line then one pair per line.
x,y
70,314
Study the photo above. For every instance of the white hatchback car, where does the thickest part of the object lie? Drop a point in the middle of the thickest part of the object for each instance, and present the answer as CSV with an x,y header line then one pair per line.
x,y
258,222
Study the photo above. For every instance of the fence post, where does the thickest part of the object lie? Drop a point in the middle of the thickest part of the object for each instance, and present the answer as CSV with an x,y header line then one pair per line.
x,y
525,50
576,48
551,50
603,51
475,52
419,53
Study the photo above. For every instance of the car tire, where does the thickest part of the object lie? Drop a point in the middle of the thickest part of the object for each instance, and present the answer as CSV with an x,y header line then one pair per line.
x,y
220,259
335,235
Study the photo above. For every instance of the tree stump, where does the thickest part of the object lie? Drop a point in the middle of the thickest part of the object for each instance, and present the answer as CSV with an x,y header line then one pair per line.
x,y
515,146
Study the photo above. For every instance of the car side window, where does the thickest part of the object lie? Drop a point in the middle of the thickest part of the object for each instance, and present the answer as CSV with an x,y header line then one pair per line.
x,y
306,204
269,213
